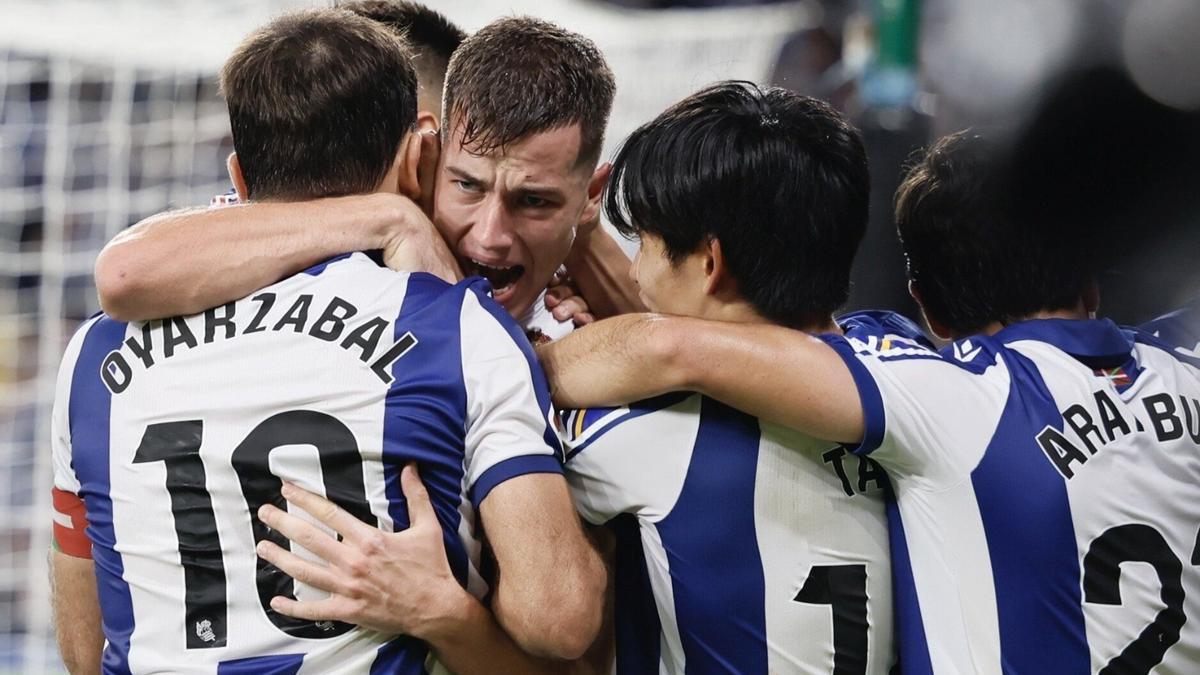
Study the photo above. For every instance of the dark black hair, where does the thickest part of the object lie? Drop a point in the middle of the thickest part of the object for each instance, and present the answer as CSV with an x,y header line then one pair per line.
x,y
318,103
431,37
520,76
778,178
975,251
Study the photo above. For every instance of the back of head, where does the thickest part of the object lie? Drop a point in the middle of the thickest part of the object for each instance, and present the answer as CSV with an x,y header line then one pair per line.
x,y
520,76
431,37
975,255
779,179
319,102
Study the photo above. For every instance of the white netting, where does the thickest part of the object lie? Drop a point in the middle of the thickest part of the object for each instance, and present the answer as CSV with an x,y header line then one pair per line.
x,y
109,113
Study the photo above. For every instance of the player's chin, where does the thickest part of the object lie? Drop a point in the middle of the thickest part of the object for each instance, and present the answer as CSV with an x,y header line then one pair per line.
x,y
517,297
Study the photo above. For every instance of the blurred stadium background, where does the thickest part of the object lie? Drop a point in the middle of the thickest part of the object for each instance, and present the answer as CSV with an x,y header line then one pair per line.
x,y
109,113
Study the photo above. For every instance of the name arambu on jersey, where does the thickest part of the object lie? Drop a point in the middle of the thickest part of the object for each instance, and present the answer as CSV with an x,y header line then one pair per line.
x,y
165,338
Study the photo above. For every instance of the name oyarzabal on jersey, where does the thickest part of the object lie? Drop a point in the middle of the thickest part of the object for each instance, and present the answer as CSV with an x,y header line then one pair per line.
x,y
335,321
170,435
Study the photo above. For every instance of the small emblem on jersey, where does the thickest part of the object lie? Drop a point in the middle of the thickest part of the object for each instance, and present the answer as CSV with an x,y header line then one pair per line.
x,y
966,351
204,631
1119,377
325,626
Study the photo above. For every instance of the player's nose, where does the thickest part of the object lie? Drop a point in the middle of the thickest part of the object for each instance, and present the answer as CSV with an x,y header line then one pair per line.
x,y
493,228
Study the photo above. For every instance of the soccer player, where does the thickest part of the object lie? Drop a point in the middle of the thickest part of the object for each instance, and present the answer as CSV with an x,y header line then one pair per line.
x,y
1045,464
517,195
766,550
171,436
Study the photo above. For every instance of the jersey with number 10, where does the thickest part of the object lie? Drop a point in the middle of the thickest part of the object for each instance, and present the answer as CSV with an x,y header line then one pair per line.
x,y
174,433
742,547
1047,480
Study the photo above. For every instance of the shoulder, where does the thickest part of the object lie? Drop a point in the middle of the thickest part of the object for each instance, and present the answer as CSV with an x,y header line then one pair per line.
x,y
583,427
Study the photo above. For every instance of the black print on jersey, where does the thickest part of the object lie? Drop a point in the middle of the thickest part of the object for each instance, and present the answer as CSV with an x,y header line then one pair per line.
x,y
211,321
868,471
265,302
1083,435
364,341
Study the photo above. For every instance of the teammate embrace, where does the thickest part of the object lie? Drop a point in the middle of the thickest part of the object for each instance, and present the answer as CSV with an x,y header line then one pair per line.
x,y
825,495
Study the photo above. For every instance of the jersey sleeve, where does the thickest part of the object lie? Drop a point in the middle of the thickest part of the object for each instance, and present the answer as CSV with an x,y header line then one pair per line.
x,y
510,429
631,459
69,514
913,401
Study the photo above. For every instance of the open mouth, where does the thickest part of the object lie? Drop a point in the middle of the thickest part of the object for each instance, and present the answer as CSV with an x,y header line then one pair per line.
x,y
501,277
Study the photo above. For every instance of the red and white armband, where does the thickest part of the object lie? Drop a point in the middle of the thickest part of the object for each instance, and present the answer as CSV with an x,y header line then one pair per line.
x,y
70,524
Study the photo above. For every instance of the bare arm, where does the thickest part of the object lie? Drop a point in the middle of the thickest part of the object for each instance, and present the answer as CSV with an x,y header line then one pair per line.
x,y
601,269
76,612
545,561
182,262
780,375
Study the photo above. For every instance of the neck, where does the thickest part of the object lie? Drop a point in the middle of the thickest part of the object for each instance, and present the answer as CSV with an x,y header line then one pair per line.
x,y
743,312
1078,312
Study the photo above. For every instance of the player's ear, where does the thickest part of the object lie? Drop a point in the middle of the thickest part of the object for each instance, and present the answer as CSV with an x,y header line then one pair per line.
x,y
936,327
717,278
235,174
431,147
595,190
407,165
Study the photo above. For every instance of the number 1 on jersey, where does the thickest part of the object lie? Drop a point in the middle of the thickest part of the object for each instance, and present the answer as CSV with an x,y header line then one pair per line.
x,y
177,444
844,589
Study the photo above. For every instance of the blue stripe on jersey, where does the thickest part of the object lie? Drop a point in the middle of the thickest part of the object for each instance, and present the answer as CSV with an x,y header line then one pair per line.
x,y
483,289
874,420
405,654
511,468
316,270
911,643
1030,535
712,548
425,415
90,415
635,616
278,664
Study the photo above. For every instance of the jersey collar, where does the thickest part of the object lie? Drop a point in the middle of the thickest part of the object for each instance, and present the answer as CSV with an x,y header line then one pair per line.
x,y
1089,340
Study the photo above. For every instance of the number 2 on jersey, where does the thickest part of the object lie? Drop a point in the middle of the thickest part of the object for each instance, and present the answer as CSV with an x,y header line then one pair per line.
x,y
177,445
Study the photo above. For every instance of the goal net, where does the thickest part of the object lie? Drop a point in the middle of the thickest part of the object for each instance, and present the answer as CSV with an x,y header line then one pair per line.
x,y
109,113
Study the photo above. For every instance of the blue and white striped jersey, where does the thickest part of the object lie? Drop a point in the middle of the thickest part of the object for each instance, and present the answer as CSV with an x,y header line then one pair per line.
x,y
174,432
742,547
1047,483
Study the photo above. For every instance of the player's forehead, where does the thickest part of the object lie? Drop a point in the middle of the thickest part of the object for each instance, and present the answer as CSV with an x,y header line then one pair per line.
x,y
548,157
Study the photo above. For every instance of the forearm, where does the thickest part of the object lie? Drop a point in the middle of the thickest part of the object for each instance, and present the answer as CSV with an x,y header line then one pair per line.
x,y
600,269
183,262
777,374
77,618
470,641
615,361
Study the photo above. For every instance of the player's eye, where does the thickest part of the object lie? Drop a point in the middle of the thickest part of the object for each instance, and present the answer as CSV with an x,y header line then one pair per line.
x,y
534,201
467,186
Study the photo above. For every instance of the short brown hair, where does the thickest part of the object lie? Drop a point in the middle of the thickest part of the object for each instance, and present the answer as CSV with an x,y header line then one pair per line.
x,y
431,37
319,102
520,76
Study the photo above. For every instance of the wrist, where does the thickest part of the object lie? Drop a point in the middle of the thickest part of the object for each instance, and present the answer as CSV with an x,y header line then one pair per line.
x,y
386,218
449,612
